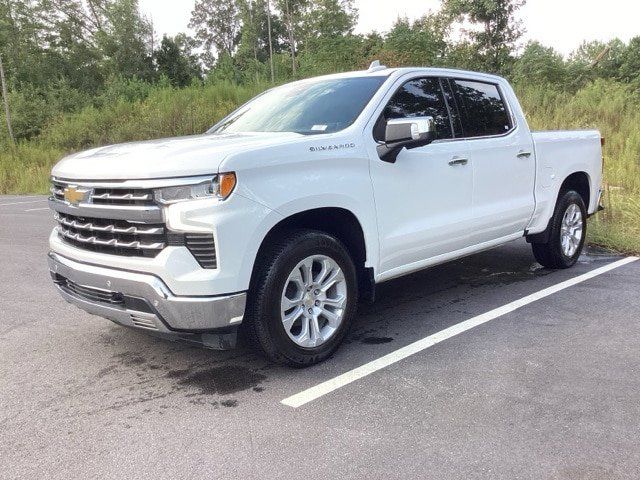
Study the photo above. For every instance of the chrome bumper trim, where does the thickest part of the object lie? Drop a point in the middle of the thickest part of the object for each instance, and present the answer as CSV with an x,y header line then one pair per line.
x,y
169,313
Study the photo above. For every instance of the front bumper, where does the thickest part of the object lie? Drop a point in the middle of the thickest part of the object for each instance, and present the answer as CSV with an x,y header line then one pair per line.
x,y
143,301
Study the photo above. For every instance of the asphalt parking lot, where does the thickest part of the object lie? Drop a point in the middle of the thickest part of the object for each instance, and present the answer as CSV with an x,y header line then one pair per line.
x,y
549,390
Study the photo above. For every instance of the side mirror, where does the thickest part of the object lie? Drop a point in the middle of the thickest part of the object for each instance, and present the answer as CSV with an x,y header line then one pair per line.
x,y
406,133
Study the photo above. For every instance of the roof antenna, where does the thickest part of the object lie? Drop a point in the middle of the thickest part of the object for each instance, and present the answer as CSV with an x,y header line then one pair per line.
x,y
376,66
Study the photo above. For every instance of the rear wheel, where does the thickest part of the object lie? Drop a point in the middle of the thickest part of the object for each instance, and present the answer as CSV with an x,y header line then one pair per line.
x,y
567,233
303,298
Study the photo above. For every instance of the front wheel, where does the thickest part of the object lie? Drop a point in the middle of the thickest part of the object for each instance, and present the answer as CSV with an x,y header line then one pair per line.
x,y
303,298
568,231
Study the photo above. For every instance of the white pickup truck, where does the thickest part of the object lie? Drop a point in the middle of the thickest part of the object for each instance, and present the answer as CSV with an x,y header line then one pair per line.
x,y
291,209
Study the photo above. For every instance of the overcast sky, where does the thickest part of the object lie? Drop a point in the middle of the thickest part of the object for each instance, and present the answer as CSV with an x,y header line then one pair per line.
x,y
562,24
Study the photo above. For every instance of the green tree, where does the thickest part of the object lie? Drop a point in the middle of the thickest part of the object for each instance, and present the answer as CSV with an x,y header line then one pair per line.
x,y
422,42
327,43
541,65
253,49
175,60
630,62
22,35
328,18
292,12
125,39
106,35
217,26
597,59
495,29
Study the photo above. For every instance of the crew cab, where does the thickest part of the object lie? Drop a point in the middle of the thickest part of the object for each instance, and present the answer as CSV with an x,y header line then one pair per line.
x,y
288,212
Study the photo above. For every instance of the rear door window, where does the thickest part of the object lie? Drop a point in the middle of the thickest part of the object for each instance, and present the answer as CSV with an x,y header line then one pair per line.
x,y
482,108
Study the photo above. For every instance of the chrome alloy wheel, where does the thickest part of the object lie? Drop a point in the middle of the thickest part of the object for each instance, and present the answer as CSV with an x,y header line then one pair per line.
x,y
571,230
313,301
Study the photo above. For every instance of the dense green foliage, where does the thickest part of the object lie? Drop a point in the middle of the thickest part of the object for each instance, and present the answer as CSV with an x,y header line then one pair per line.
x,y
82,73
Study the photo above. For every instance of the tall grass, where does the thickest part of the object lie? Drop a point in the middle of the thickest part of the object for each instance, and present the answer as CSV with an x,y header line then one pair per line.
x,y
611,107
614,109
165,112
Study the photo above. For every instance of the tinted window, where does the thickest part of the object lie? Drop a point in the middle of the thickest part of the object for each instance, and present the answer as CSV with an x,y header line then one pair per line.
x,y
308,107
421,98
482,108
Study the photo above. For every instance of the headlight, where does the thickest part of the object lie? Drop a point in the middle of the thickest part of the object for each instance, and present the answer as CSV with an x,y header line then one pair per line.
x,y
220,186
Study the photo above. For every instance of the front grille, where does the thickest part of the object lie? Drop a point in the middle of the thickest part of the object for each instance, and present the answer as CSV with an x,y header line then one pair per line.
x,y
121,221
90,293
118,237
109,196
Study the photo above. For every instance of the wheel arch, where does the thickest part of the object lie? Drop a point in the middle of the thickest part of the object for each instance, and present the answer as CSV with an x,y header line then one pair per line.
x,y
339,222
580,182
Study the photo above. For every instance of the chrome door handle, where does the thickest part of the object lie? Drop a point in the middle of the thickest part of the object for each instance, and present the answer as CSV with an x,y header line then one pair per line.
x,y
458,161
523,154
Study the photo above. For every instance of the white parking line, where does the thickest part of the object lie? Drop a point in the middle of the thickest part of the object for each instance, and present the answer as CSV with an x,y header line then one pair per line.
x,y
22,203
329,386
36,209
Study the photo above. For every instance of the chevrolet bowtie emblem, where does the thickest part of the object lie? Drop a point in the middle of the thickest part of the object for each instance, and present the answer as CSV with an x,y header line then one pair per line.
x,y
74,196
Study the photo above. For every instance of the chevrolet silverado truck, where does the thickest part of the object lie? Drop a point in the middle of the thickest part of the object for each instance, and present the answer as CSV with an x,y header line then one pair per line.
x,y
288,212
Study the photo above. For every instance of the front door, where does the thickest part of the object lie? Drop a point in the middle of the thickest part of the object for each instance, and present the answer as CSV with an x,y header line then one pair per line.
x,y
424,199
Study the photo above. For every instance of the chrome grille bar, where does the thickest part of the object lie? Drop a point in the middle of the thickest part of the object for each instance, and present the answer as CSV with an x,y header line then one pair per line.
x,y
112,195
113,242
146,214
133,230
126,196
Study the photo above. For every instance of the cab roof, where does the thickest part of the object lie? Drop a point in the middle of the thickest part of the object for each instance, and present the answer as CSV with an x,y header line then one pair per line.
x,y
383,71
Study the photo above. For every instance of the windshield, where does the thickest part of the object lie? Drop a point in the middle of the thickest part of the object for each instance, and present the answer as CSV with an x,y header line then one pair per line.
x,y
310,107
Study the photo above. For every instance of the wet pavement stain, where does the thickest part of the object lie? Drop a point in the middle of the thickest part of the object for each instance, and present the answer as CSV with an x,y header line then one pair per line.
x,y
200,401
487,278
178,373
223,380
130,359
593,253
376,340
106,371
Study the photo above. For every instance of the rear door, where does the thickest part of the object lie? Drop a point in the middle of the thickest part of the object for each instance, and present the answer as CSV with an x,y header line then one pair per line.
x,y
501,154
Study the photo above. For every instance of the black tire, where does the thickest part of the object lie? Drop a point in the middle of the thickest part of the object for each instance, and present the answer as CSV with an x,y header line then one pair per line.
x,y
550,254
262,322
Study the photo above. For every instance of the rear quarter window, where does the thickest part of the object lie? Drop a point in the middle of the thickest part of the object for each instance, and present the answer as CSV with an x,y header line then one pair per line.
x,y
482,107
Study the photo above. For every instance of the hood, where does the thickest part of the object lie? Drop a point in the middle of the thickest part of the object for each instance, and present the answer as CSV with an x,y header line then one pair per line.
x,y
164,158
